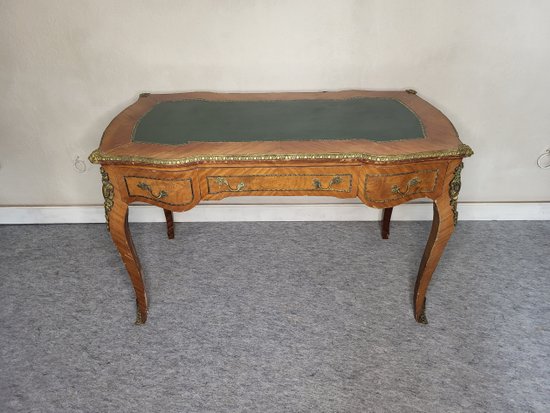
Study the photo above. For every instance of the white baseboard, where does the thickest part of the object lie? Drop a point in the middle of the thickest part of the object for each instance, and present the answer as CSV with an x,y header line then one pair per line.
x,y
213,212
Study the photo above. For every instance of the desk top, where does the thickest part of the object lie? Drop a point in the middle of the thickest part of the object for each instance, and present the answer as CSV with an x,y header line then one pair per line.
x,y
194,120
186,128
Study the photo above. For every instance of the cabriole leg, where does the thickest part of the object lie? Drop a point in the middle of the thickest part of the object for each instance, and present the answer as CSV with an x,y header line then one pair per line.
x,y
169,223
120,232
444,221
386,223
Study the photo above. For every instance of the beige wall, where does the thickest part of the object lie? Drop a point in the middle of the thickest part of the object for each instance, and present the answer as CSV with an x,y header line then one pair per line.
x,y
67,67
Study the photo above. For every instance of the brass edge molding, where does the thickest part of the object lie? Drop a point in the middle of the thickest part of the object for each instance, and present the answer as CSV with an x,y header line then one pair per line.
x,y
108,194
95,156
454,189
462,151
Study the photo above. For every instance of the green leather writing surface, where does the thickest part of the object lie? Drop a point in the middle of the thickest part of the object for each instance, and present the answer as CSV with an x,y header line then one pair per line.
x,y
183,121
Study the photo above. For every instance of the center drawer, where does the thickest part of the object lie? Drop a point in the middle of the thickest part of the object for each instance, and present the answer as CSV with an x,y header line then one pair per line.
x,y
334,181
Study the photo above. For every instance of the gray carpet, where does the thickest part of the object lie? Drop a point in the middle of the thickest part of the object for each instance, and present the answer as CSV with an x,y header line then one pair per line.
x,y
275,317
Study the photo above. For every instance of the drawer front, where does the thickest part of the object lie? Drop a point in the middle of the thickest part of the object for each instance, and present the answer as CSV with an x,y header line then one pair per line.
x,y
388,187
175,192
281,182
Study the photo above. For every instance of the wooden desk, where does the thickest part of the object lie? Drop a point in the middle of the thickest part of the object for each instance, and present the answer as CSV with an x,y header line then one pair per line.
x,y
385,148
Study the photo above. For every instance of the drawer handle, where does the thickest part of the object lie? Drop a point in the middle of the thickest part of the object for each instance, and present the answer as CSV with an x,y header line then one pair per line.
x,y
146,187
223,181
334,181
410,185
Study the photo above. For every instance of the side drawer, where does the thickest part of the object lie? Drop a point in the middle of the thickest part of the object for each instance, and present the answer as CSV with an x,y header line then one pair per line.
x,y
389,187
175,192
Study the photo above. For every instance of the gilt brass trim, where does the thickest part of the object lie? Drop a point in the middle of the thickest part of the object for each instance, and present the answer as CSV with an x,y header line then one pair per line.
x,y
462,151
108,192
454,189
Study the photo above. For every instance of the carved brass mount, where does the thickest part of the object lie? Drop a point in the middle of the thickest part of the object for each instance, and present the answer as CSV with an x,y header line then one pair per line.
x,y
139,317
220,180
410,185
108,194
454,189
334,181
146,187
